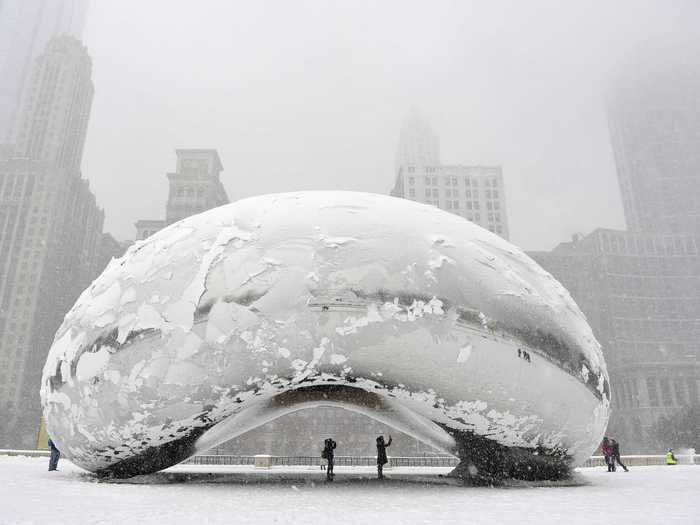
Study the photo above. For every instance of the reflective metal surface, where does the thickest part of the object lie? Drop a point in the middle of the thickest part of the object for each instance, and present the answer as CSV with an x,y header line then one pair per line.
x,y
398,310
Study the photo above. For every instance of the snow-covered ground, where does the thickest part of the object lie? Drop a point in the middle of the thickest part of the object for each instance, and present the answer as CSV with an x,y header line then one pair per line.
x,y
238,495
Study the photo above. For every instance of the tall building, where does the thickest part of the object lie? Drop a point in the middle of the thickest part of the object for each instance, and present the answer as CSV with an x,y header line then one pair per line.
x,y
26,26
418,145
654,119
640,289
641,295
50,230
194,187
473,192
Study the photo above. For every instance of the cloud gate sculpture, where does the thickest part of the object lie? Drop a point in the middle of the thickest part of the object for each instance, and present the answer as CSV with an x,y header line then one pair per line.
x,y
398,310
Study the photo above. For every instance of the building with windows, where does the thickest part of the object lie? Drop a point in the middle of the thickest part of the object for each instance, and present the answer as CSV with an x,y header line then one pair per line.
x,y
473,192
26,26
194,187
50,229
641,295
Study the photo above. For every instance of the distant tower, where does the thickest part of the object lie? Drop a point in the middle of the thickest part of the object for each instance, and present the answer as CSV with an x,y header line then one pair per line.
x,y
25,28
54,120
654,118
418,143
50,229
194,187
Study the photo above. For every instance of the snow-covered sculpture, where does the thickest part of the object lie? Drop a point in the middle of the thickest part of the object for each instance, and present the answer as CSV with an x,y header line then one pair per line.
x,y
411,315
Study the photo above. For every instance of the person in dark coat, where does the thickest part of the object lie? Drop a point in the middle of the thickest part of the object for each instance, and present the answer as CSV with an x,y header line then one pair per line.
x,y
606,447
616,454
328,454
381,455
55,455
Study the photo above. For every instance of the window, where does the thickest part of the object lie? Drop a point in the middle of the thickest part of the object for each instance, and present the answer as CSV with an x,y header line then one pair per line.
x,y
447,181
427,192
448,193
489,206
467,181
455,205
454,181
469,194
476,205
411,181
488,194
427,181
653,393
495,194
411,192
448,205
411,169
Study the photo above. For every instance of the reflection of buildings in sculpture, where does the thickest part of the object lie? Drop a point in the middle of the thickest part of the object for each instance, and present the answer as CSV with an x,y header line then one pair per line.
x,y
302,434
473,192
194,187
641,295
26,27
50,229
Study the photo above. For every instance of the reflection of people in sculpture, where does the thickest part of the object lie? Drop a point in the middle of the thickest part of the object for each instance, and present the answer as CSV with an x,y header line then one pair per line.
x,y
328,454
381,455
55,455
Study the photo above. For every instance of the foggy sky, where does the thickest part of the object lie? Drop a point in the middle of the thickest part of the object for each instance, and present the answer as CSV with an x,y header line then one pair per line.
x,y
311,95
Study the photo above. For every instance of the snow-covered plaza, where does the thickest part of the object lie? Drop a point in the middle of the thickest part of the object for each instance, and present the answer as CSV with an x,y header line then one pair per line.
x,y
210,495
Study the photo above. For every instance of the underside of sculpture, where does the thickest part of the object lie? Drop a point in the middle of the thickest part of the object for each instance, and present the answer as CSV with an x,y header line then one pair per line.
x,y
400,311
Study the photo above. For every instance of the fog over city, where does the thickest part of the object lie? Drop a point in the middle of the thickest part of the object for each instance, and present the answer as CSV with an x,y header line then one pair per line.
x,y
497,287
311,95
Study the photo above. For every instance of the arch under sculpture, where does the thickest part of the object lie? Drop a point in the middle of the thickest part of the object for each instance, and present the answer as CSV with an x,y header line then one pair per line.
x,y
401,311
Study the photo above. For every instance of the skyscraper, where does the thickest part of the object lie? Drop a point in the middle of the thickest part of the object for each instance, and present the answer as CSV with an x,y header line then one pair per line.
x,y
640,288
476,193
654,119
25,28
418,145
50,229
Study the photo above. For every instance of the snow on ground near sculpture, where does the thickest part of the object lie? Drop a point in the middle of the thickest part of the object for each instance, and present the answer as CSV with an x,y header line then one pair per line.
x,y
645,495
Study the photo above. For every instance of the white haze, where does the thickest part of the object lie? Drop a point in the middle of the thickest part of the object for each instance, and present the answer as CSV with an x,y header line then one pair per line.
x,y
311,95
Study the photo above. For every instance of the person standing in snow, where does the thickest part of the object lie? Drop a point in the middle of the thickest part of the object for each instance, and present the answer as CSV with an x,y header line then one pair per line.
x,y
55,455
616,454
607,450
328,454
381,455
670,458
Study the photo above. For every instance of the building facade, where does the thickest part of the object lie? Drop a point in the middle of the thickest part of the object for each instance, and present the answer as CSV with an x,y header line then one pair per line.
x,y
641,295
654,119
194,187
50,230
26,26
418,145
476,193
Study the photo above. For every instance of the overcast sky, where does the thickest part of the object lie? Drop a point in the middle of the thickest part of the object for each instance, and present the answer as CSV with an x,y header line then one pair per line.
x,y
311,95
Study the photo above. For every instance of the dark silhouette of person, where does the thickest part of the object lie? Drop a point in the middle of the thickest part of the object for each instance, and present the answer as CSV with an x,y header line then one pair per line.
x,y
607,450
55,455
328,454
616,454
381,455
